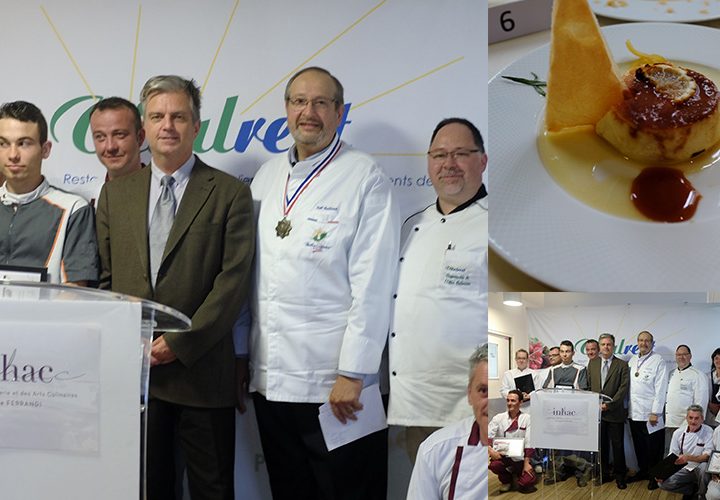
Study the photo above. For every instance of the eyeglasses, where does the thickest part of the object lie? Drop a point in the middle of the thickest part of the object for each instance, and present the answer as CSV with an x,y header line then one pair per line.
x,y
319,103
458,155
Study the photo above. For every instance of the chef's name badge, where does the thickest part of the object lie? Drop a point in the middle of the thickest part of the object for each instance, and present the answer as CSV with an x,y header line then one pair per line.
x,y
460,271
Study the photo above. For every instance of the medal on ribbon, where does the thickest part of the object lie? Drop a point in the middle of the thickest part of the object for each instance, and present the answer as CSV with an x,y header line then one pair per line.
x,y
284,225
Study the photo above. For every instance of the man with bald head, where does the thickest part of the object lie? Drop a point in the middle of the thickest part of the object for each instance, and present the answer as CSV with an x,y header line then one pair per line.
x,y
328,235
441,305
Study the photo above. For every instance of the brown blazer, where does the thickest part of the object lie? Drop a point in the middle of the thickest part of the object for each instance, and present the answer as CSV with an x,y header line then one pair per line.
x,y
617,385
205,274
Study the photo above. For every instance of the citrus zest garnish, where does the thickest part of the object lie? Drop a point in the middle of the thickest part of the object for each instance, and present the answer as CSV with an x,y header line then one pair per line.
x,y
643,58
672,81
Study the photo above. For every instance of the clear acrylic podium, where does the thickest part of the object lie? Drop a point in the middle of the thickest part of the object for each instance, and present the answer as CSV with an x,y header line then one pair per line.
x,y
72,360
566,428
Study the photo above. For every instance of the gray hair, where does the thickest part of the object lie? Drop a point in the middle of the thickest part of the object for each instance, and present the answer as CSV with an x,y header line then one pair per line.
x,y
162,84
479,356
696,408
339,97
607,336
652,337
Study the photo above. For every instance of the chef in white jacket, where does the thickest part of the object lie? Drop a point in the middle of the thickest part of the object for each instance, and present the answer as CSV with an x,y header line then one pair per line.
x,y
440,307
327,245
521,369
648,387
687,386
452,464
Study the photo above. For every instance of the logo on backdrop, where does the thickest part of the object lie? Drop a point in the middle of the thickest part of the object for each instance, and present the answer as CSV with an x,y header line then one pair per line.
x,y
269,133
621,349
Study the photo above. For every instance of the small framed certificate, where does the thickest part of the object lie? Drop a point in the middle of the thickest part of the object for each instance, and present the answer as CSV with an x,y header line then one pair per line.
x,y
23,273
510,447
714,463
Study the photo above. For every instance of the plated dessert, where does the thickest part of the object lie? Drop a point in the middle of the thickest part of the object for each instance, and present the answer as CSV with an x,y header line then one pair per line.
x,y
562,206
653,113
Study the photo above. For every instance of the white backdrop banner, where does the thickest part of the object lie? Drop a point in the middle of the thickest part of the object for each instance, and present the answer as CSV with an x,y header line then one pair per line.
x,y
564,420
695,325
405,65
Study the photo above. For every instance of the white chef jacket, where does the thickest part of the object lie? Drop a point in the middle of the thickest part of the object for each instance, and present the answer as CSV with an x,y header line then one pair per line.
x,y
321,301
648,389
686,387
440,314
500,423
692,443
508,380
432,475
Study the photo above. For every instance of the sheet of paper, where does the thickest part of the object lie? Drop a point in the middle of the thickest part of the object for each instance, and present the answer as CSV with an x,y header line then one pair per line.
x,y
657,427
370,419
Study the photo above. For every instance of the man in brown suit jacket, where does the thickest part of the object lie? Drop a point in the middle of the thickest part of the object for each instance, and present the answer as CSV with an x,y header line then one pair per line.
x,y
613,381
201,269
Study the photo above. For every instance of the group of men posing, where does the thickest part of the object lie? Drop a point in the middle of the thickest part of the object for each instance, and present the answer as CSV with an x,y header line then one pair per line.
x,y
641,391
335,280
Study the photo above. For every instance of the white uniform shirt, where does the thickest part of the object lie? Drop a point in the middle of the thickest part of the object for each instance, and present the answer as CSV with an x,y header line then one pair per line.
x,y
508,380
432,475
648,386
440,315
500,423
692,443
686,387
321,301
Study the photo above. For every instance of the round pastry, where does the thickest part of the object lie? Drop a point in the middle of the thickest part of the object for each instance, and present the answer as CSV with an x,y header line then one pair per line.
x,y
668,114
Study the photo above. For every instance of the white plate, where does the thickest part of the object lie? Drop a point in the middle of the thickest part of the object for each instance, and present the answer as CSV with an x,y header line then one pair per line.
x,y
677,11
543,230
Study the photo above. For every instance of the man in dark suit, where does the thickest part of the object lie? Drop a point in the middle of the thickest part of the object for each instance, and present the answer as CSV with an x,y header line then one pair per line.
x,y
610,376
181,233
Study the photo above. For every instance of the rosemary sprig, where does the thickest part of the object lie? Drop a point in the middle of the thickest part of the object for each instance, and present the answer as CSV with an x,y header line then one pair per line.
x,y
535,83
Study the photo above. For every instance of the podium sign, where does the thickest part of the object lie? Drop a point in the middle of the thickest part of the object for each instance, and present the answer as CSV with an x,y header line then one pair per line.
x,y
565,420
50,386
69,398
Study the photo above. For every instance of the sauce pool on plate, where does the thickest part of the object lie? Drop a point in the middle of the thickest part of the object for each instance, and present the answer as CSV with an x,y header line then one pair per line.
x,y
664,194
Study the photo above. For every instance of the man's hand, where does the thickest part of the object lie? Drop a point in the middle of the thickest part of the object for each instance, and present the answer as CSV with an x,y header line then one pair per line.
x,y
242,379
345,398
528,468
603,407
653,419
681,460
494,455
160,353
526,396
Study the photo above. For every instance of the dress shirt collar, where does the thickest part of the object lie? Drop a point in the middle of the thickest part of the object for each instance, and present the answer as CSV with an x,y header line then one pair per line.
x,y
683,369
181,175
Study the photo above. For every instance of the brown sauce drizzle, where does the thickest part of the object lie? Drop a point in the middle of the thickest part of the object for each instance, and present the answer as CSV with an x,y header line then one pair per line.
x,y
664,194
